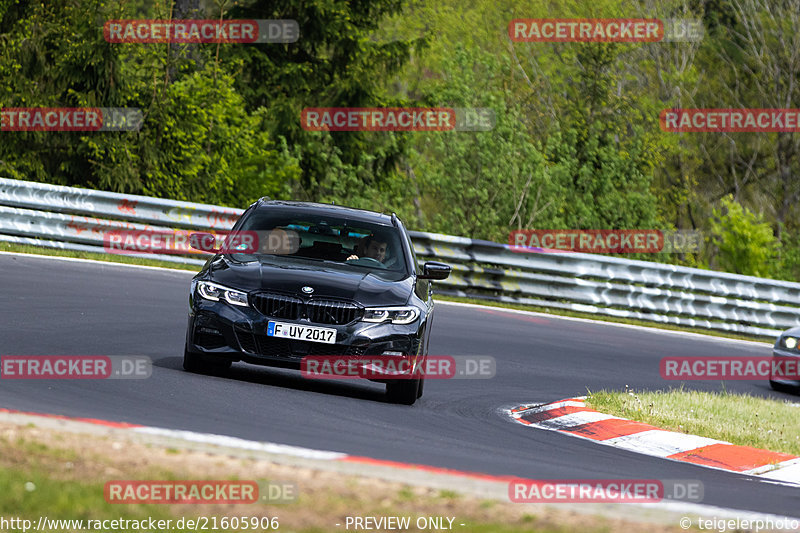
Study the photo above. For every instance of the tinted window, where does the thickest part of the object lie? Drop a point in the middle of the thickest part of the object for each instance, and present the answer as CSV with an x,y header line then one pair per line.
x,y
290,237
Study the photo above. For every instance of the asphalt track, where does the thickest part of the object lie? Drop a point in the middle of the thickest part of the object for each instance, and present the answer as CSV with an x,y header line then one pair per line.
x,y
56,307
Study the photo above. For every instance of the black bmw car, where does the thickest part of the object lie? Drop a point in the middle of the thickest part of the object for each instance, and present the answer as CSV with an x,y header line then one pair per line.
x,y
320,280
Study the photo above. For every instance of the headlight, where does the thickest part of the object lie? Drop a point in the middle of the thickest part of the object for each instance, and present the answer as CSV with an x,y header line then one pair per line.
x,y
790,342
212,291
398,315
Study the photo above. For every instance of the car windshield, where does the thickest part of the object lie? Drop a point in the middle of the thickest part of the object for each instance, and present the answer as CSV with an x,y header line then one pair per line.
x,y
283,237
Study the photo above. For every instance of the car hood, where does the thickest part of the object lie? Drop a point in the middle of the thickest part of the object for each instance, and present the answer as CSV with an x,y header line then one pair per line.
x,y
361,286
792,332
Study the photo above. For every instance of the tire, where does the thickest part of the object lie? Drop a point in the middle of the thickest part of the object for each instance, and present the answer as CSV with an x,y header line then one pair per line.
x,y
200,364
421,386
403,391
781,387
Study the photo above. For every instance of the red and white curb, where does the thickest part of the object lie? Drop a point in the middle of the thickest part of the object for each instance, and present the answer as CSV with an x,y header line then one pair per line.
x,y
572,417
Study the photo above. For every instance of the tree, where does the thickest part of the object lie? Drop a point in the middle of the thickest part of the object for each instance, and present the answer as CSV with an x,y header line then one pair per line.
x,y
338,61
200,144
763,66
53,54
745,243
197,143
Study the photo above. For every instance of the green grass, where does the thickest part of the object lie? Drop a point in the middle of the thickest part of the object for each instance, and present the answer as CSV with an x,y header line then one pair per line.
x,y
406,494
135,260
30,490
58,499
736,418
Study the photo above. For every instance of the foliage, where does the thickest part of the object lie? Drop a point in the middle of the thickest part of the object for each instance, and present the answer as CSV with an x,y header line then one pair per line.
x,y
198,141
338,61
210,149
745,242
576,142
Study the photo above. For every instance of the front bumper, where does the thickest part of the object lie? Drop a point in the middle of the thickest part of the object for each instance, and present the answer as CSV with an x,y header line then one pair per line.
x,y
779,353
239,334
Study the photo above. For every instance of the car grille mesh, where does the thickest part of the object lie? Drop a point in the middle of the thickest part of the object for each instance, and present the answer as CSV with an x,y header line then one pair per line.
x,y
331,312
278,306
318,311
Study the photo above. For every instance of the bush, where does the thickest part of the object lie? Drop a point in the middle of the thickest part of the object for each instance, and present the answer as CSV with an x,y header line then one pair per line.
x,y
744,243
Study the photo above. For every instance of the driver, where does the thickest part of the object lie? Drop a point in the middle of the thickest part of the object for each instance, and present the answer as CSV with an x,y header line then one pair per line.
x,y
372,247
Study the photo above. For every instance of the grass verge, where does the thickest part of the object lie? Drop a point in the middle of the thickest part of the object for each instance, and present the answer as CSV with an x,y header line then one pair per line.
x,y
61,476
736,418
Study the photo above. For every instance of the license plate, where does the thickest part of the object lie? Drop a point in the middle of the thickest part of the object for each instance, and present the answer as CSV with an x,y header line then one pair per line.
x,y
302,333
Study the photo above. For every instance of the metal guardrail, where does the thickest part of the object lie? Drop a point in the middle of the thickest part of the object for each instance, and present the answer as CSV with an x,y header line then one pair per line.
x,y
613,286
115,206
78,219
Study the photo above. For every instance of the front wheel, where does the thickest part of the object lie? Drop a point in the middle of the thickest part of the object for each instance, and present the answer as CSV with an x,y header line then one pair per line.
x,y
403,391
782,387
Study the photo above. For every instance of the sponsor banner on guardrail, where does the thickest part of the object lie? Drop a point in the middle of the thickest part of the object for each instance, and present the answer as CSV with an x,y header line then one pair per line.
x,y
201,31
603,241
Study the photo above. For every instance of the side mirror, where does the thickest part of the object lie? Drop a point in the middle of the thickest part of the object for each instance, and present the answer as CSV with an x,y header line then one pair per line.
x,y
435,270
205,242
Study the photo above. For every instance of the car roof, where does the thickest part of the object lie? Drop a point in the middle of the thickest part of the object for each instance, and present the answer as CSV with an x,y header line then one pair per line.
x,y
312,208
